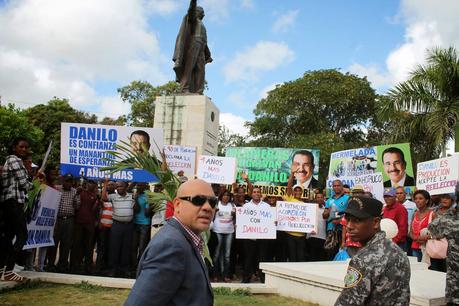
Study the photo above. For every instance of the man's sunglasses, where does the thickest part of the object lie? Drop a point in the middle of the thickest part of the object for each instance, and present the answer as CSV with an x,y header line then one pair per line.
x,y
200,200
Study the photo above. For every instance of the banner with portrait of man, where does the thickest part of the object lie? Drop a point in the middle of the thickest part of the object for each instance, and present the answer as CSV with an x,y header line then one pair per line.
x,y
392,161
270,168
84,149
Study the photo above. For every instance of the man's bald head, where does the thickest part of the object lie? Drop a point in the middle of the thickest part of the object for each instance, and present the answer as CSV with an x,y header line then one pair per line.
x,y
196,217
190,187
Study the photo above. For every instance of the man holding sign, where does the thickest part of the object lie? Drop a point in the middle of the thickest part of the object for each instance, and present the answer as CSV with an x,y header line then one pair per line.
x,y
259,211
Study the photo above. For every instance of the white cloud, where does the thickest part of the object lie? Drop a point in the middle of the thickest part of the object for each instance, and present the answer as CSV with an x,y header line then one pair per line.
x,y
264,92
428,24
234,123
114,107
374,74
163,7
285,21
264,56
63,48
216,10
247,4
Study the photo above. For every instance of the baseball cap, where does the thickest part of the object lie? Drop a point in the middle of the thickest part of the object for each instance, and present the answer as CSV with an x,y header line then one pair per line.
x,y
363,208
67,177
389,192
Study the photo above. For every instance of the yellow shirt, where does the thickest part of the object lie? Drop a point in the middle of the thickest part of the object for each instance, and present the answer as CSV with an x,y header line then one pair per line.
x,y
293,199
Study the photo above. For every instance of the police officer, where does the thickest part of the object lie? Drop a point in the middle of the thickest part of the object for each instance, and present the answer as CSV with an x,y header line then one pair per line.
x,y
379,274
448,226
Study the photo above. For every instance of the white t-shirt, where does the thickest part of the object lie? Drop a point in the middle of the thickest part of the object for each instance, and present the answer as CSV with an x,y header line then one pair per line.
x,y
223,222
261,204
321,225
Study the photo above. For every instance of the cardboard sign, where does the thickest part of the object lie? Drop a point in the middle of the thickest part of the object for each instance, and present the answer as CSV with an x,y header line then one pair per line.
x,y
84,149
215,169
40,229
255,223
181,158
438,176
372,182
393,161
272,166
297,217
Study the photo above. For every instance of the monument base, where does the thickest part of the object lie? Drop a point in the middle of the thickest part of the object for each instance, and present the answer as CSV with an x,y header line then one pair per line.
x,y
188,120
322,282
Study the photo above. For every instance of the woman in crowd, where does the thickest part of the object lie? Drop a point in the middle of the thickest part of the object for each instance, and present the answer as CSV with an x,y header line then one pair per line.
x,y
421,219
224,228
445,206
15,184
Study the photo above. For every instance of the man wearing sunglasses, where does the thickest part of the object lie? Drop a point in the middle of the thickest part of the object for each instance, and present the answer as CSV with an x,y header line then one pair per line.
x,y
172,271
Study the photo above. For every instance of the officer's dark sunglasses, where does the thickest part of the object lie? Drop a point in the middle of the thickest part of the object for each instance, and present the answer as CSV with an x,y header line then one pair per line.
x,y
200,200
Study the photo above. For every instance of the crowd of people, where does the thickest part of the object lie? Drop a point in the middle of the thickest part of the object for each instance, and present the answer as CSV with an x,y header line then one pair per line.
x,y
103,227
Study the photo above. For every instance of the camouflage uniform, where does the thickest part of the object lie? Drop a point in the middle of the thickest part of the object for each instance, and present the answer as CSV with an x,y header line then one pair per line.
x,y
448,226
379,274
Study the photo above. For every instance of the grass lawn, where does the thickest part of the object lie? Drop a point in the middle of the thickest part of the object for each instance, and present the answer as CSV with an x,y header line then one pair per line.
x,y
38,293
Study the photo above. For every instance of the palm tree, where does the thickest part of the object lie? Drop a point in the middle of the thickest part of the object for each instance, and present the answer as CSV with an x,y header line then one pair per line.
x,y
429,101
125,158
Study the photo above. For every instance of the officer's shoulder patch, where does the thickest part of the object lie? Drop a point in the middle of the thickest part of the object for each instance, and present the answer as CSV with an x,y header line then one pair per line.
x,y
353,277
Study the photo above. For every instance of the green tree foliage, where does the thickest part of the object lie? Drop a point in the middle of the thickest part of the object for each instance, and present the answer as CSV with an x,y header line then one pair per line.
x,y
16,124
141,96
121,120
48,118
320,101
324,109
429,104
228,139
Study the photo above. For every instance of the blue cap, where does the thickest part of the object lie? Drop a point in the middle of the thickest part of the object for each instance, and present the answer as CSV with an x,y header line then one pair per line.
x,y
389,192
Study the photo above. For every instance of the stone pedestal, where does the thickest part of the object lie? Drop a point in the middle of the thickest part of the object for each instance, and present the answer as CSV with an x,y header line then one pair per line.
x,y
188,120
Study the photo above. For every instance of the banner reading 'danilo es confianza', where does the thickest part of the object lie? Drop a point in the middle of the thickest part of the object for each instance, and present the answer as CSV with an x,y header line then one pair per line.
x,y
84,147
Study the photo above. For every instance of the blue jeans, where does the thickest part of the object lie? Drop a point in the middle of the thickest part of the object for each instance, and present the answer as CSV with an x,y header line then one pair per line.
x,y
140,241
222,254
417,253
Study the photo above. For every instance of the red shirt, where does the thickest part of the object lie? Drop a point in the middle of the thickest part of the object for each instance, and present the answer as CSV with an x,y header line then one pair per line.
x,y
399,214
169,210
86,213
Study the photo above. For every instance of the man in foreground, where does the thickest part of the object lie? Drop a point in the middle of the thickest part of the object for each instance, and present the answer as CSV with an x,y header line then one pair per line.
x,y
379,274
172,270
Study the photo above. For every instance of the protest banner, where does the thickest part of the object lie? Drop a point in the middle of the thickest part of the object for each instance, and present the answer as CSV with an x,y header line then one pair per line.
x,y
396,169
181,158
216,169
84,149
40,228
438,176
272,166
297,217
255,223
372,182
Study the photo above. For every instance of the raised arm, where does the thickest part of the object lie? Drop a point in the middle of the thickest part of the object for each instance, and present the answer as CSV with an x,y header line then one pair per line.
x,y
290,184
245,177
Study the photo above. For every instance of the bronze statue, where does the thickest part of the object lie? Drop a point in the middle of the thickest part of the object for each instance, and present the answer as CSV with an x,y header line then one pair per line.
x,y
191,53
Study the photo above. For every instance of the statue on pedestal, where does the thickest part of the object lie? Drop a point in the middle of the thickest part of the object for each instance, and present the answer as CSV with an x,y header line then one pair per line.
x,y
191,52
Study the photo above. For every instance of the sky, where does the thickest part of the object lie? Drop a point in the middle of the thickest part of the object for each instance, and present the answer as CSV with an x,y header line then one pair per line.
x,y
84,50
